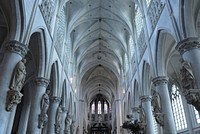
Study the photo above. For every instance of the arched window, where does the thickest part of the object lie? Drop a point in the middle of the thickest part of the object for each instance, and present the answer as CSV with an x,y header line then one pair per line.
x,y
93,108
99,107
105,108
177,107
197,116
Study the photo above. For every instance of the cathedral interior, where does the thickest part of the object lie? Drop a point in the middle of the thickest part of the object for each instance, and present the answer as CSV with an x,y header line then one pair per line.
x,y
99,66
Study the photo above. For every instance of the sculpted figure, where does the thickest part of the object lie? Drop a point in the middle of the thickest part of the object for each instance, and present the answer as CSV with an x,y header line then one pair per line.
x,y
45,102
187,77
58,120
68,122
19,75
72,127
43,117
156,102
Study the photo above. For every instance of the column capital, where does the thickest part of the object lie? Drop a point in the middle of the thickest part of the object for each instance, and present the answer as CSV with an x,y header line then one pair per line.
x,y
145,98
160,80
188,44
41,81
16,47
55,99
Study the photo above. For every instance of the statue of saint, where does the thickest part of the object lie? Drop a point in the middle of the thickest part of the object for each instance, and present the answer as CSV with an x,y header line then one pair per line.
x,y
68,122
58,120
19,75
72,127
43,117
156,103
187,77
45,102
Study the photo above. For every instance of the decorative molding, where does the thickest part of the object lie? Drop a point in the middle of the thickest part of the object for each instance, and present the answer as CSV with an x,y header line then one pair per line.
x,y
13,98
55,99
16,47
154,11
146,98
41,81
160,80
188,44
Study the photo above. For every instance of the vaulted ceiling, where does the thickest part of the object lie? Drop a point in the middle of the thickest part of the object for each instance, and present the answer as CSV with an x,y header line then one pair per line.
x,y
99,32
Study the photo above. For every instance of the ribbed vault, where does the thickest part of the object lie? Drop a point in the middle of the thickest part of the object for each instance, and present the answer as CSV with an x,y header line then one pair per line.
x,y
99,31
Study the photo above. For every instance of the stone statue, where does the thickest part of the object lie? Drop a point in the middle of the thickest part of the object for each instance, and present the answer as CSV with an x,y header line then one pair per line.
x,y
72,127
157,110
58,120
19,75
43,117
156,102
14,95
68,122
187,77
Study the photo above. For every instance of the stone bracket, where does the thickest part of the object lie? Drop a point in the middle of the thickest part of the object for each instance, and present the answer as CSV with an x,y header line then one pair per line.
x,y
13,98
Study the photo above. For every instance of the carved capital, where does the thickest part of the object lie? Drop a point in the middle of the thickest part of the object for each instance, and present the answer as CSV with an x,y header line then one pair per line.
x,y
146,98
13,98
40,81
55,99
188,44
16,47
160,80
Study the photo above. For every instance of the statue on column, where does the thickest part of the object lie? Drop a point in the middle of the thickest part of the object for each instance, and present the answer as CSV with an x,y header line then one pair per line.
x,y
68,122
18,78
157,110
187,77
58,120
191,94
43,117
72,127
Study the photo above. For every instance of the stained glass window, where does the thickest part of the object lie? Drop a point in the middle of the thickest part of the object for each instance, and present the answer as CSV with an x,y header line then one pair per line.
x,y
105,108
93,108
99,107
197,116
177,107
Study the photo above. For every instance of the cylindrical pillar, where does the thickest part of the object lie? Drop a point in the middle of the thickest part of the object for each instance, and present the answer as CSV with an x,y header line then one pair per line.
x,y
14,52
161,84
189,49
37,94
146,104
54,103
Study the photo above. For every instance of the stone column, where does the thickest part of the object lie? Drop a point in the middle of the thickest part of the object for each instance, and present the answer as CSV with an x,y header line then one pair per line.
x,y
37,92
118,116
189,49
14,52
54,103
146,104
161,84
